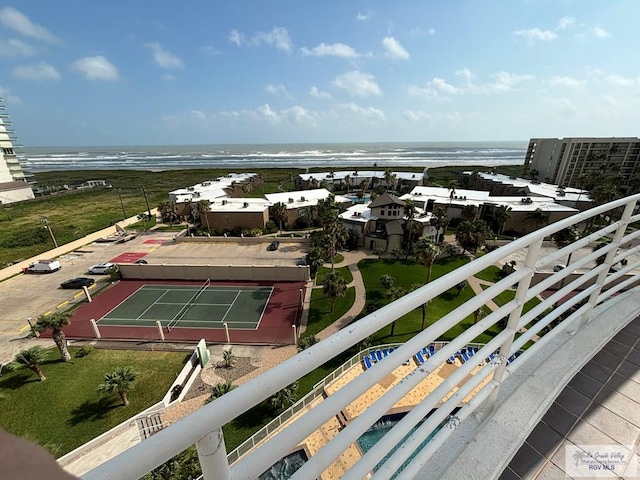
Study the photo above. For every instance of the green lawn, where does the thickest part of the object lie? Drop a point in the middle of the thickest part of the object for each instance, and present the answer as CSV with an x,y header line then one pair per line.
x,y
407,273
322,272
66,410
489,274
320,314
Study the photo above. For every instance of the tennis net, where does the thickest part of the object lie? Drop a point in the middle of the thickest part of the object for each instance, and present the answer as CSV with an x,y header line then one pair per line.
x,y
176,319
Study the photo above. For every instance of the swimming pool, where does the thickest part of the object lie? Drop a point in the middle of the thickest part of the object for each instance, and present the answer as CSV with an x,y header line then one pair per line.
x,y
355,199
381,427
286,467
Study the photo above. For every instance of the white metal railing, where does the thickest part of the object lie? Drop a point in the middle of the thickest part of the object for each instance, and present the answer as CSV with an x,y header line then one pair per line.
x,y
204,427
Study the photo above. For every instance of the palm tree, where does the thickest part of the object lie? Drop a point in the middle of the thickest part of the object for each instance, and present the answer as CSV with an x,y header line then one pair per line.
x,y
471,235
389,178
335,286
120,380
285,397
452,190
501,215
347,181
538,217
565,237
220,389
30,358
409,215
55,322
440,220
279,212
426,252
167,211
203,208
228,357
469,212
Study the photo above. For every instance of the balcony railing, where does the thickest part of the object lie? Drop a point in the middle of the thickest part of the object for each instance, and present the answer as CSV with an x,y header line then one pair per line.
x,y
556,314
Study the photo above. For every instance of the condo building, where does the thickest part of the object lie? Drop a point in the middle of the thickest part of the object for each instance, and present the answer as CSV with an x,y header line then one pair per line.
x,y
563,160
13,182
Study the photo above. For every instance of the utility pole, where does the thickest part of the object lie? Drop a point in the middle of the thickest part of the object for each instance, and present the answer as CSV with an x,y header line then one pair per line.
x,y
48,227
146,200
124,214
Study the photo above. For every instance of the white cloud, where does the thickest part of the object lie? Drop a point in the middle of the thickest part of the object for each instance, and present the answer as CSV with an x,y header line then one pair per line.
x,y
167,77
367,114
278,89
18,22
357,83
164,58
466,74
620,81
535,34
211,50
330,50
264,113
96,68
566,82
363,17
565,22
278,37
299,115
41,71
441,85
9,99
601,32
418,32
14,48
417,116
314,92
425,92
197,115
394,49
236,38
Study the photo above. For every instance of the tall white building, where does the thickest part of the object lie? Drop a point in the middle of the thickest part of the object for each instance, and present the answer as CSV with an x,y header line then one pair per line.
x,y
563,160
13,183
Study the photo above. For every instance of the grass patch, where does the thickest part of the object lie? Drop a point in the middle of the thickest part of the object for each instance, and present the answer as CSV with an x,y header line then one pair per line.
x,y
66,410
489,274
343,271
320,314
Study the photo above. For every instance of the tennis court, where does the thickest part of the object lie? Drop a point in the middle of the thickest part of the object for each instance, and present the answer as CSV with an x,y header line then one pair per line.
x,y
255,313
191,306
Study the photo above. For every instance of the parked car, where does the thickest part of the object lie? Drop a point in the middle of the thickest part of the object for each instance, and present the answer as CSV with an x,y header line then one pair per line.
x,y
273,246
101,268
43,266
141,261
78,282
557,268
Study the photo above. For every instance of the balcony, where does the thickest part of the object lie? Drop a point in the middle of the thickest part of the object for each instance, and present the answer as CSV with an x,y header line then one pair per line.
x,y
479,417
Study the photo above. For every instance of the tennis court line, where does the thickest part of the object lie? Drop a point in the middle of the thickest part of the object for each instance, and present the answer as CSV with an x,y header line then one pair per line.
x,y
231,306
264,309
123,301
149,307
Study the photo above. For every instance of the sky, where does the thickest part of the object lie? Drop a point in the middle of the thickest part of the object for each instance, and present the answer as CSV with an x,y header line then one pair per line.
x,y
74,72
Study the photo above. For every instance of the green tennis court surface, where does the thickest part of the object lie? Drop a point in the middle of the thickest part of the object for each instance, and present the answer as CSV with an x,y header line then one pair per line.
x,y
204,306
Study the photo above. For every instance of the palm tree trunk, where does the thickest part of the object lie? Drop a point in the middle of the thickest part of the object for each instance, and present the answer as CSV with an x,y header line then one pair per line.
x,y
333,301
61,343
37,371
123,397
393,328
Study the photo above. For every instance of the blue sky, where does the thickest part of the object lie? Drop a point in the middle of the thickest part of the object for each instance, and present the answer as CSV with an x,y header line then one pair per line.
x,y
74,72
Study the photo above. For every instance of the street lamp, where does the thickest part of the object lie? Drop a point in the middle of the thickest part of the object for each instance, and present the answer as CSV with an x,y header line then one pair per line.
x,y
124,214
48,227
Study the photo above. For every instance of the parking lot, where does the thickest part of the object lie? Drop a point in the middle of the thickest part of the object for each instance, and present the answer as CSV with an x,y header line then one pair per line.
x,y
30,295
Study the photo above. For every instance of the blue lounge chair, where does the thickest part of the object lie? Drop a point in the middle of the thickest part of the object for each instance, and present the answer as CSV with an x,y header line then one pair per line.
x,y
490,357
419,358
452,359
367,362
470,351
432,350
385,352
378,355
373,358
463,355
424,352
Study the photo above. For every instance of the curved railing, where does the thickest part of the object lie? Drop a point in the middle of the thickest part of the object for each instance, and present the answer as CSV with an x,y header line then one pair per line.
x,y
546,320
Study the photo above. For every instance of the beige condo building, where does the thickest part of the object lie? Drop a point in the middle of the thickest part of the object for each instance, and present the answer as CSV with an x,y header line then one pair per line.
x,y
563,160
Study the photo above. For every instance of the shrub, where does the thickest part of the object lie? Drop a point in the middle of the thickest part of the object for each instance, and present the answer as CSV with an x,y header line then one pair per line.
x,y
306,342
271,227
83,352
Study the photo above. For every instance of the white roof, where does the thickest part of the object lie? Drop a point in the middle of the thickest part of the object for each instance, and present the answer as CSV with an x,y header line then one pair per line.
x,y
303,198
339,176
239,205
460,194
519,204
210,189
538,188
358,213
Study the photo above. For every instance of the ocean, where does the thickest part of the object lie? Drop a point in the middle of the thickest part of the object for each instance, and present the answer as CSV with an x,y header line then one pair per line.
x,y
329,156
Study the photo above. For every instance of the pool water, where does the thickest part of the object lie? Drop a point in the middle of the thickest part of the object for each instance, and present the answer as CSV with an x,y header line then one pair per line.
x,y
355,199
379,430
285,468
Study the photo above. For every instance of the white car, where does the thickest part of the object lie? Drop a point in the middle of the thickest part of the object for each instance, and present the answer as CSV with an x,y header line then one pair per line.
x,y
101,268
